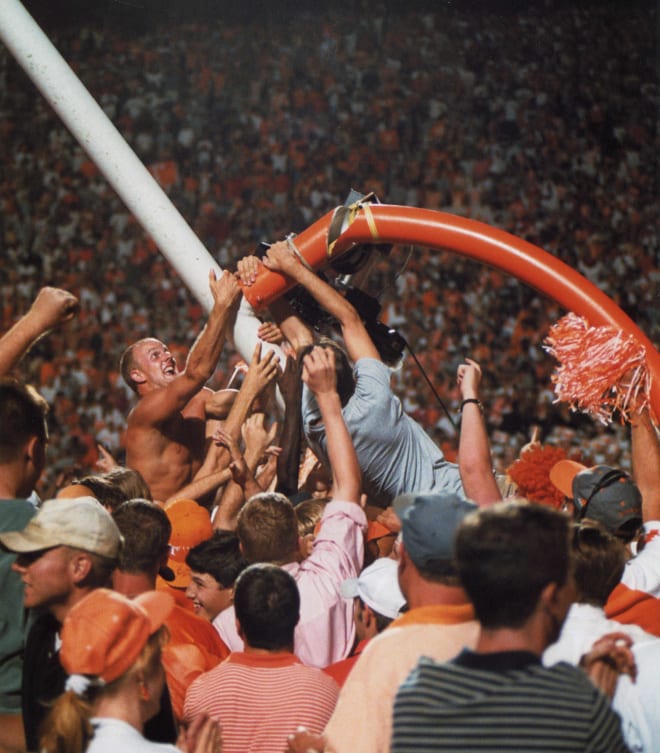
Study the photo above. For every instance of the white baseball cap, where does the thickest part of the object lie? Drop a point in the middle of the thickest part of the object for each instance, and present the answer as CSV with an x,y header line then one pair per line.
x,y
80,522
378,587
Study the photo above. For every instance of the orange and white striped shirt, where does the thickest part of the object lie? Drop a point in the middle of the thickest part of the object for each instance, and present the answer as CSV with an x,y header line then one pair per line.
x,y
260,699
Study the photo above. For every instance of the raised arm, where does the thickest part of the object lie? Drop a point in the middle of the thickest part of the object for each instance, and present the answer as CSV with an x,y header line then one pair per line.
x,y
160,404
474,460
201,486
292,327
646,464
291,439
242,487
281,258
320,376
260,373
51,307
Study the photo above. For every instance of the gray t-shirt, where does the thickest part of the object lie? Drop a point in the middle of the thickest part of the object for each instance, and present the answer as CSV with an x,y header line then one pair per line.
x,y
394,453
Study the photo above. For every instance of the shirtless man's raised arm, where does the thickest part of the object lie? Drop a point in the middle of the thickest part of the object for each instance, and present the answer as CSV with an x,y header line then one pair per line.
x,y
165,431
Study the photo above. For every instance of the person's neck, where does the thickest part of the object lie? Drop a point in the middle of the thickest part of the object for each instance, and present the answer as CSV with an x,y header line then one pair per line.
x,y
267,651
7,493
510,639
124,705
425,593
10,486
132,584
61,610
288,559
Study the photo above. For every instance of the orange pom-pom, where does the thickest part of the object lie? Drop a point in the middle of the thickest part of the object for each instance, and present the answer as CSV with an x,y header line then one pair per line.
x,y
531,474
601,370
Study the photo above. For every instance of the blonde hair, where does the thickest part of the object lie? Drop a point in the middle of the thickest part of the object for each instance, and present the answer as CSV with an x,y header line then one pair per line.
x,y
67,728
308,514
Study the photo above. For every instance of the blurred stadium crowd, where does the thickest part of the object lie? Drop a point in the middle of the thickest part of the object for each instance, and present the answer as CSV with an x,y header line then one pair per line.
x,y
541,122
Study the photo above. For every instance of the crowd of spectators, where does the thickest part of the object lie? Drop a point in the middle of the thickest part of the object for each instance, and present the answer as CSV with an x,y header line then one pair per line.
x,y
542,123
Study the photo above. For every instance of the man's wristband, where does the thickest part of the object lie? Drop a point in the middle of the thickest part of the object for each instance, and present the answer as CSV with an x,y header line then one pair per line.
x,y
474,400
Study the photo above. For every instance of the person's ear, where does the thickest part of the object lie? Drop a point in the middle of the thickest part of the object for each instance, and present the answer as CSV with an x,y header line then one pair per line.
x,y
306,544
35,452
548,595
555,601
402,557
137,376
143,690
81,566
31,448
367,615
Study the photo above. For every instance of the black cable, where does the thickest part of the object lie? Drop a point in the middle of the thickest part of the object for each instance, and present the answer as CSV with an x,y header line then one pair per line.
x,y
430,384
407,344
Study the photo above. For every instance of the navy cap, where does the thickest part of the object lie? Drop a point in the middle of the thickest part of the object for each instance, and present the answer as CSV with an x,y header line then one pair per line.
x,y
429,523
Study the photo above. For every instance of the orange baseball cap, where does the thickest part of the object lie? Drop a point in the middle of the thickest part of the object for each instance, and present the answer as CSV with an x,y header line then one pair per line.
x,y
105,632
376,530
562,474
191,524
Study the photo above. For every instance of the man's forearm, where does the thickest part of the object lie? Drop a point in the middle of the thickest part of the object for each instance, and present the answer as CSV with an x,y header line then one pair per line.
x,y
234,497
240,409
346,478
16,342
645,447
199,487
291,438
474,457
205,352
295,331
51,307
325,295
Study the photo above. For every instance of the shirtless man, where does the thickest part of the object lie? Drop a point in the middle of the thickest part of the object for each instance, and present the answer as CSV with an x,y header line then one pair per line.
x,y
166,430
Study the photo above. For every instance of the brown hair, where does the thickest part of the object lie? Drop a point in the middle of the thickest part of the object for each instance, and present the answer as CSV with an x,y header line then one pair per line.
x,y
507,554
127,364
267,529
146,530
100,573
308,514
130,482
343,367
22,415
598,558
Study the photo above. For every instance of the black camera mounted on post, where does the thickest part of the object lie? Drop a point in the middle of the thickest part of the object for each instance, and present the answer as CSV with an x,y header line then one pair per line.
x,y
388,342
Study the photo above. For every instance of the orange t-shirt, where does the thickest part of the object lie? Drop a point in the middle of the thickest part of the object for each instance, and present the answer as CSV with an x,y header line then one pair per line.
x,y
194,647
